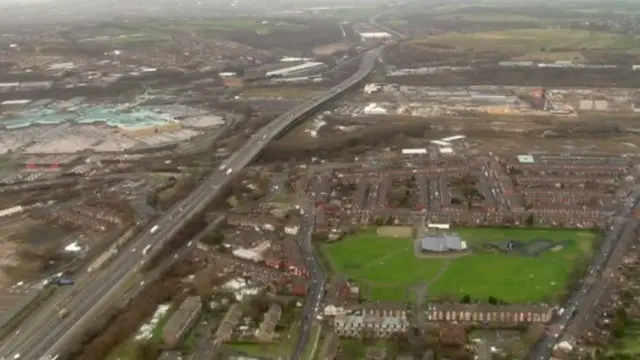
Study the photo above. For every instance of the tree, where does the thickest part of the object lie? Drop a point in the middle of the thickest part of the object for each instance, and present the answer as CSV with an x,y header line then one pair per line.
x,y
318,237
530,220
466,299
203,283
215,238
493,301
461,354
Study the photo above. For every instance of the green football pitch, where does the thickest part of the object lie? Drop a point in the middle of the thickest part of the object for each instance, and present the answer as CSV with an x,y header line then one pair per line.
x,y
386,267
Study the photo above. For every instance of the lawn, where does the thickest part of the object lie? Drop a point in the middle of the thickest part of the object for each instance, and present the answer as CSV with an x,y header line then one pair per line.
x,y
533,40
387,267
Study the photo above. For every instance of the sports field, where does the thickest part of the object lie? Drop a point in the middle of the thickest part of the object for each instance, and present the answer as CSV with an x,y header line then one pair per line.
x,y
386,266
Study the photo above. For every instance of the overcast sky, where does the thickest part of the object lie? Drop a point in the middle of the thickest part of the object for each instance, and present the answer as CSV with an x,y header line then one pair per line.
x,y
12,2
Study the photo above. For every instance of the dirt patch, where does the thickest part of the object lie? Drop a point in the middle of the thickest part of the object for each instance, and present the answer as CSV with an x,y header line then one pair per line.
x,y
395,231
330,49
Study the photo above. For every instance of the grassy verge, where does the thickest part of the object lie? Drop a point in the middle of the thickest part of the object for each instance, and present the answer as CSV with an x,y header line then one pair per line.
x,y
22,315
311,349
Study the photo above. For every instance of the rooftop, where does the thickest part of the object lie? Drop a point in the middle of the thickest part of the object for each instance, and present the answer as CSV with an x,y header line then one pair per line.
x,y
442,243
526,159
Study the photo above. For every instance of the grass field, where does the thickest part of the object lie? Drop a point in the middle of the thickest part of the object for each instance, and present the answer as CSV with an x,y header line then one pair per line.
x,y
533,40
225,25
386,267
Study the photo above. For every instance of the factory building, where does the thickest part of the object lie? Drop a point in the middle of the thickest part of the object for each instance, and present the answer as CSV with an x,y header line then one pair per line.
x,y
374,35
594,105
36,85
442,243
247,254
7,87
287,59
422,151
181,320
374,109
14,104
301,69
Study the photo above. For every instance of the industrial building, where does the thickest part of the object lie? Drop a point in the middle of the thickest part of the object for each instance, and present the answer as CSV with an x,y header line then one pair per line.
x,y
14,104
374,35
247,254
181,320
374,109
422,151
300,69
594,105
442,243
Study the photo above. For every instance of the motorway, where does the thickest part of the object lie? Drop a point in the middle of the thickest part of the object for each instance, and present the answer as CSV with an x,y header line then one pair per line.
x,y
585,297
45,334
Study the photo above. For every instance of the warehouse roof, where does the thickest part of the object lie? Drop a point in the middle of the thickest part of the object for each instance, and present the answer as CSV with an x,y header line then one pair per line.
x,y
307,65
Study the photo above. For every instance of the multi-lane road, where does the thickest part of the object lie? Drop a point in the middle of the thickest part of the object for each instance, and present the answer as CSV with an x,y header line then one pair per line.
x,y
45,334
318,277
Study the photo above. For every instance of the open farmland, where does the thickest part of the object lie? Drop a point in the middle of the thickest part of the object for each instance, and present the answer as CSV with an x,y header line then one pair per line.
x,y
533,40
387,267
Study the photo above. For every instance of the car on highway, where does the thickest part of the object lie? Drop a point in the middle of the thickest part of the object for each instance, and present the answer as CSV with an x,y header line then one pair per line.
x,y
63,313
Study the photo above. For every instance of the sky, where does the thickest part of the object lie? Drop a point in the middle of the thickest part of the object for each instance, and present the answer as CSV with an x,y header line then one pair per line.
x,y
17,2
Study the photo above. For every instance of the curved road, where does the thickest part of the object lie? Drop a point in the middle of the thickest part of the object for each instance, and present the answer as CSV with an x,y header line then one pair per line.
x,y
45,335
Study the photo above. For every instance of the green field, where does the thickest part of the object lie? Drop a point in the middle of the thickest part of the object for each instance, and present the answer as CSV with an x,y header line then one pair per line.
x,y
226,25
532,40
386,267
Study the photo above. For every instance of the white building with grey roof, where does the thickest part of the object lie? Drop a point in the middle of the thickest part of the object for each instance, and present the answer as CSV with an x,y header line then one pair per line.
x,y
442,243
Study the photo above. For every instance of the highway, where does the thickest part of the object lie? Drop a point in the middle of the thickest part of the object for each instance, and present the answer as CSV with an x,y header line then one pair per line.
x,y
580,303
45,334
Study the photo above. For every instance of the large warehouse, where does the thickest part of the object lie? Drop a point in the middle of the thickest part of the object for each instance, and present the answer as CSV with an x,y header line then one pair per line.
x,y
304,68
442,243
374,35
